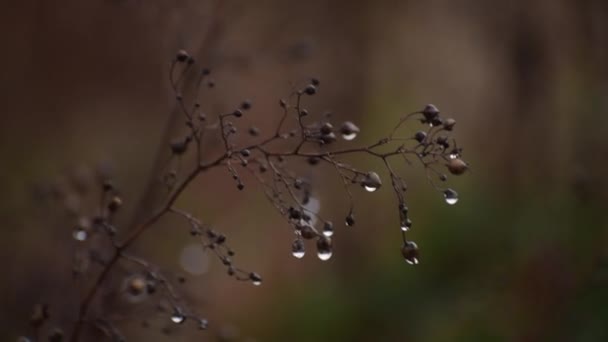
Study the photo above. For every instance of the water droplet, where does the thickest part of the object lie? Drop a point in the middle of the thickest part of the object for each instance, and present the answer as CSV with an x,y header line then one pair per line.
x,y
349,137
324,248
297,249
255,278
409,250
349,131
350,220
80,234
406,225
324,255
454,155
328,229
451,196
371,182
178,317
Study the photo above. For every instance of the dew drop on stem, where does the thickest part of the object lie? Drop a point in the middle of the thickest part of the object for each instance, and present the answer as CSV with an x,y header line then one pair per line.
x,y
297,249
451,196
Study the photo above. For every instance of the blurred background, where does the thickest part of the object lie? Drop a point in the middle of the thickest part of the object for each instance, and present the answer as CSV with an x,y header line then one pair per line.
x,y
521,257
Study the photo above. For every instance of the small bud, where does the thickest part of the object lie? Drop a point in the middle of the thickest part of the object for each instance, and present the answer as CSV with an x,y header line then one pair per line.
x,y
350,220
303,112
182,56
246,105
310,89
436,121
313,160
328,138
283,103
448,124
115,203
327,128
179,147
245,153
430,112
237,113
420,136
315,82
254,131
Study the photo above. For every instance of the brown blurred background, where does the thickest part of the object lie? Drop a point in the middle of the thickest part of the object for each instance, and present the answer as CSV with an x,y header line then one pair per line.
x,y
522,257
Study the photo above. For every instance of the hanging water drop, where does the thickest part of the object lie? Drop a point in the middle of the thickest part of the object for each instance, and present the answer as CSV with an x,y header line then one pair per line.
x,y
349,131
255,278
328,229
371,182
350,220
406,225
409,250
80,234
324,248
178,317
297,249
451,196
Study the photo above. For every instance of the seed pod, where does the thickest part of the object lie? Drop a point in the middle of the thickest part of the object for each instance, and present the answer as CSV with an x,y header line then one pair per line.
x,y
420,136
430,112
448,124
457,166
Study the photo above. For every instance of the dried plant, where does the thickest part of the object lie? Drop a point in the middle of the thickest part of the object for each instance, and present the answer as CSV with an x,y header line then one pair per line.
x,y
268,159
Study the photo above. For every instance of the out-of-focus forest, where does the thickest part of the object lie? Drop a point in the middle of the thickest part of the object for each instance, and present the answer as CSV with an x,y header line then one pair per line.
x,y
523,256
